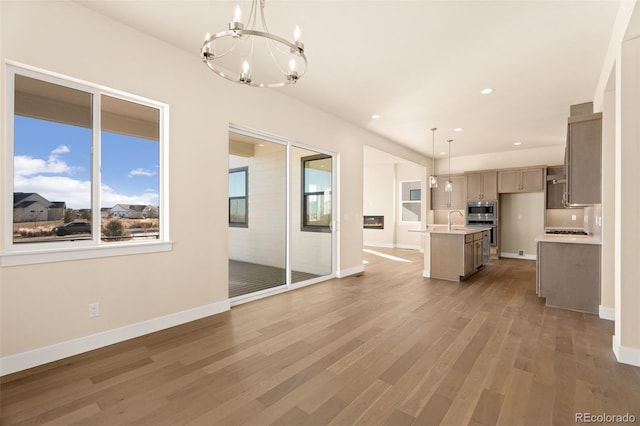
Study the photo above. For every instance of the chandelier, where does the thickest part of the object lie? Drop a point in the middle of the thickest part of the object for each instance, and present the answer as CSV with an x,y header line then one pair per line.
x,y
247,53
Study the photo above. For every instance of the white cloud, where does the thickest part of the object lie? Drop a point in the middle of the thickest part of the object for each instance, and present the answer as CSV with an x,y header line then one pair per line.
x,y
34,175
141,172
62,149
24,165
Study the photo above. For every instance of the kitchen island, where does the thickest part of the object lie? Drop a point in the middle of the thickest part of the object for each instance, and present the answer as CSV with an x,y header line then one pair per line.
x,y
454,254
568,272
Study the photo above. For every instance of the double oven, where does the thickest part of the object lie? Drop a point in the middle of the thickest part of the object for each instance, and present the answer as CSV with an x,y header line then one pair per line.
x,y
485,214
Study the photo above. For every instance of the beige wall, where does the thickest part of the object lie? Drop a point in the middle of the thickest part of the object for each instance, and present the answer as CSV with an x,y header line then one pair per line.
x,y
379,199
550,156
45,304
381,194
618,96
521,220
404,238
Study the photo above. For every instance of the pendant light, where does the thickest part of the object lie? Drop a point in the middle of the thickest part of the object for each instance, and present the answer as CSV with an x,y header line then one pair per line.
x,y
449,186
433,179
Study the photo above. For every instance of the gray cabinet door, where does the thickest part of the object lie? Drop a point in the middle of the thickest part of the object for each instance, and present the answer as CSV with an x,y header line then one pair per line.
x,y
490,186
509,181
522,180
454,200
532,180
583,159
474,186
482,186
569,275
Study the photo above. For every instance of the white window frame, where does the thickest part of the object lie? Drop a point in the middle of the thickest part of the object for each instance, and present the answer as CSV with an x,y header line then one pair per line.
x,y
403,202
20,254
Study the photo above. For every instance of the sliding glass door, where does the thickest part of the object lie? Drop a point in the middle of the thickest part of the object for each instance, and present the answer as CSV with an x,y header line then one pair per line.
x,y
281,215
257,215
311,214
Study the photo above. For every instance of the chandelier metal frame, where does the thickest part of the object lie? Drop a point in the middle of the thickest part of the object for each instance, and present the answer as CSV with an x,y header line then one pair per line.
x,y
237,30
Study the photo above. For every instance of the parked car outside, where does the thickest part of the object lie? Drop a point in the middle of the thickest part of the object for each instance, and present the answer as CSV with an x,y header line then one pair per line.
x,y
72,228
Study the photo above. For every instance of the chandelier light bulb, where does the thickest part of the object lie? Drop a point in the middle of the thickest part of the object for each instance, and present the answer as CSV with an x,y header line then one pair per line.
x,y
206,36
296,33
237,14
292,65
245,77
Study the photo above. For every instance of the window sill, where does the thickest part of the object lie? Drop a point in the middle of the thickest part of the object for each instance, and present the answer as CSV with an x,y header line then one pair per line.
x,y
80,253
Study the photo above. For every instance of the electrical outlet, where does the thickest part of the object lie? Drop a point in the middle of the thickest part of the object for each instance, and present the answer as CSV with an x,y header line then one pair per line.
x,y
520,252
574,217
94,310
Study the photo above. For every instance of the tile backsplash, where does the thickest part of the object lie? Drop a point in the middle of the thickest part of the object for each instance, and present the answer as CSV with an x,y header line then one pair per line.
x,y
562,218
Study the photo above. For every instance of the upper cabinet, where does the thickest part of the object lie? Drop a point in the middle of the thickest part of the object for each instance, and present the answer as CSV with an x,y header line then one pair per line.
x,y
521,180
443,200
583,160
555,187
482,186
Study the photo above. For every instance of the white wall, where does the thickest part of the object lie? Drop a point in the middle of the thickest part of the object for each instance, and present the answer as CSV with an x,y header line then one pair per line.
x,y
521,220
406,172
193,276
549,156
383,175
263,240
379,199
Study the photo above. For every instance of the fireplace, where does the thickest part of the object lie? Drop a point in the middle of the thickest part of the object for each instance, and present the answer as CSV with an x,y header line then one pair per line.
x,y
373,222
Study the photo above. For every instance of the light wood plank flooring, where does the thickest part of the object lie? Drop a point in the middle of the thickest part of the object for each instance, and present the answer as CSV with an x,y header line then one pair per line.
x,y
384,347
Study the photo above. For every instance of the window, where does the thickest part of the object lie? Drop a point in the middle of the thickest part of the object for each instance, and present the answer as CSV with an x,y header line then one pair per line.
x,y
238,197
410,201
316,193
85,154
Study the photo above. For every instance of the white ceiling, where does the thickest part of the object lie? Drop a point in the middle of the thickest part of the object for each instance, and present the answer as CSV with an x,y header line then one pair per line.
x,y
422,64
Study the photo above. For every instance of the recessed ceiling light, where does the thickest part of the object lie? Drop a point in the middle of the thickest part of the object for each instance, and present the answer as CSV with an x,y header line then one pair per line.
x,y
457,129
517,143
375,116
443,153
486,91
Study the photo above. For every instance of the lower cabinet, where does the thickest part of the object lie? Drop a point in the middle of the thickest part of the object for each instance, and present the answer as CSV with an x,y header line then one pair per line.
x,y
568,275
455,256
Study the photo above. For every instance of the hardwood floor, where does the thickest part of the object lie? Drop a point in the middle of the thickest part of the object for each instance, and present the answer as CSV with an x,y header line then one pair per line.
x,y
383,347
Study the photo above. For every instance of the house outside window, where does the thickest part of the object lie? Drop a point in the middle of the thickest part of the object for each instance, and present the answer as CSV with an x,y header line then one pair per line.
x,y
239,197
76,152
410,201
316,193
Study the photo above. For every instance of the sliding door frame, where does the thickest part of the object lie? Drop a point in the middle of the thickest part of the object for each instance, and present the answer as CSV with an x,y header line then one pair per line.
x,y
289,144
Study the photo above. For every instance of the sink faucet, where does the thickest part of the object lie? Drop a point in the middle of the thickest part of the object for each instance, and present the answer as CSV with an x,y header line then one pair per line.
x,y
449,217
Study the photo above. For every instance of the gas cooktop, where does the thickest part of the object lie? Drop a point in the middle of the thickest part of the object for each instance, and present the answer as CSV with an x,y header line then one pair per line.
x,y
571,232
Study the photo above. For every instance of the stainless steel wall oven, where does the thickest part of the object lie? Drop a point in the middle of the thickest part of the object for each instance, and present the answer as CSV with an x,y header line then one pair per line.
x,y
485,214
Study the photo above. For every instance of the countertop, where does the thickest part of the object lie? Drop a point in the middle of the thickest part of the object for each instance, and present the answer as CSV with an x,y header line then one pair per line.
x,y
455,229
553,238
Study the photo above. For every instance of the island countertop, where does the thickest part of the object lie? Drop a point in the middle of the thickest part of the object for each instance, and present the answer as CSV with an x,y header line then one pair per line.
x,y
455,229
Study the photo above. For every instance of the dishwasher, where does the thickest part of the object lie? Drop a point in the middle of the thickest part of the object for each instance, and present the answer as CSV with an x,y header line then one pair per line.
x,y
486,242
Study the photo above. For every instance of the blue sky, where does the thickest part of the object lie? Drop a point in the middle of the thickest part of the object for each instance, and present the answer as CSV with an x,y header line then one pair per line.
x,y
54,160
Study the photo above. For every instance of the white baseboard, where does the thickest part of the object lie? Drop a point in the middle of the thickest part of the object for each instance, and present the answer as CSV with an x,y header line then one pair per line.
x,y
22,361
385,245
349,271
607,313
517,256
408,246
625,354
